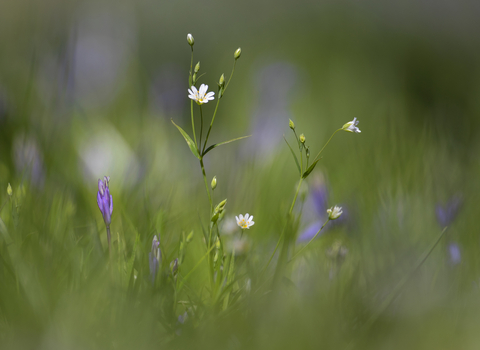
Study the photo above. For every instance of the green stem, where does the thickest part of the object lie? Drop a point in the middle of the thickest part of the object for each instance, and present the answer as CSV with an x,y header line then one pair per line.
x,y
206,186
398,288
295,198
210,128
306,245
231,75
201,127
325,145
195,267
191,102
283,232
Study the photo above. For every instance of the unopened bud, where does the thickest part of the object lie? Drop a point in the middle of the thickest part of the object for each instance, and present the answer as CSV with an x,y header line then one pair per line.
x,y
221,82
174,266
217,244
237,53
9,190
302,138
214,183
190,39
197,67
291,124
189,237
218,210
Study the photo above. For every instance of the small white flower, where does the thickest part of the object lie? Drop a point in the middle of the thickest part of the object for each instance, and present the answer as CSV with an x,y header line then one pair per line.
x,y
245,222
334,212
200,96
352,126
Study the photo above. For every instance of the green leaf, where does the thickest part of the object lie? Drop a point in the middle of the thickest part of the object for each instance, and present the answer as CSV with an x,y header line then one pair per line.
x,y
190,142
310,169
222,143
294,156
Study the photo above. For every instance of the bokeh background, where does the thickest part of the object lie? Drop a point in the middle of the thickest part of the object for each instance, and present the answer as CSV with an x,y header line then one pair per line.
x,y
88,88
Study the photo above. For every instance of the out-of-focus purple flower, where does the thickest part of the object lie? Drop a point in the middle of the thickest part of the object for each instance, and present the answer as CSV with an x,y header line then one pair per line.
x,y
310,232
448,212
28,158
104,200
455,254
154,258
315,210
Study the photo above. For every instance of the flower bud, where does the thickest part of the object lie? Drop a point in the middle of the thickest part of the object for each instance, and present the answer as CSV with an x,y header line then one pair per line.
x,y
302,138
218,210
9,190
174,267
291,124
221,82
197,67
190,39
237,53
214,183
217,244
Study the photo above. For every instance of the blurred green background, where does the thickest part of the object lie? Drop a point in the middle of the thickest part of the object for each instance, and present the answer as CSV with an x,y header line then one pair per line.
x,y
88,88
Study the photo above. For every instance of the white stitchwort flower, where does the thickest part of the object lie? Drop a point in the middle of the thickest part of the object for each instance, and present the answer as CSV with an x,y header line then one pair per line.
x,y
200,96
352,126
334,212
245,222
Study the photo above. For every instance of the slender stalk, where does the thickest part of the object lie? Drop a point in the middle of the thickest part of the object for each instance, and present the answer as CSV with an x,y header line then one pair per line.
x,y
194,268
398,288
306,245
325,145
108,238
191,102
231,75
201,127
211,123
284,229
206,185
295,198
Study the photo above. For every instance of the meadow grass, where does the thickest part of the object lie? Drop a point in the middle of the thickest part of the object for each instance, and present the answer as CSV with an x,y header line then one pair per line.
x,y
384,275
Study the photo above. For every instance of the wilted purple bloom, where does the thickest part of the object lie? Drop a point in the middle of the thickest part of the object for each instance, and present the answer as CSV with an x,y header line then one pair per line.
x,y
447,213
154,258
455,255
104,200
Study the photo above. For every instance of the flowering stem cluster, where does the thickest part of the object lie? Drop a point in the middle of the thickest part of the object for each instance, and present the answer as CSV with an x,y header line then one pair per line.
x,y
304,171
200,148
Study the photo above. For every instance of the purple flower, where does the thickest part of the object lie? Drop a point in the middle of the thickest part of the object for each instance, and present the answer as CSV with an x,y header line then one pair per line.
x,y
455,254
448,212
154,258
104,200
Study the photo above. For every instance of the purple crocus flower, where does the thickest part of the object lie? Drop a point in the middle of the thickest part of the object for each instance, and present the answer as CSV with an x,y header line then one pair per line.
x,y
105,203
154,258
448,212
104,200
455,254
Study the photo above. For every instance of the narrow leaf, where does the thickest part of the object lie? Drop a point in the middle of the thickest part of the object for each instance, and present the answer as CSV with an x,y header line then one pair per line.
x,y
294,156
310,169
190,142
223,143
